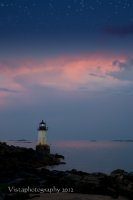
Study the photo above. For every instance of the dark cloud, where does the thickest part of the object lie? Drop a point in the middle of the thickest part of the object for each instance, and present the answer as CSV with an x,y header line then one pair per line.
x,y
8,90
127,65
97,75
125,72
120,31
8,63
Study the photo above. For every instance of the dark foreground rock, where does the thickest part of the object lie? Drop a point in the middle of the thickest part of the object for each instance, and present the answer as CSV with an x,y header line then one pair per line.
x,y
23,176
15,159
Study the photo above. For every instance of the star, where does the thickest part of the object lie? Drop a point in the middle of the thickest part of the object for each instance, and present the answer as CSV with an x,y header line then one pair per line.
x,y
19,6
99,2
2,5
91,8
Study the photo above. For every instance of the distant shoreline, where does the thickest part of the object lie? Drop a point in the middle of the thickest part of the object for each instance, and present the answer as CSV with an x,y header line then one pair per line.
x,y
90,140
122,140
20,140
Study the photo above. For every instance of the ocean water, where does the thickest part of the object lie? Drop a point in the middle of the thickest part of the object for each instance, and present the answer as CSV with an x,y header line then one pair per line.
x,y
90,156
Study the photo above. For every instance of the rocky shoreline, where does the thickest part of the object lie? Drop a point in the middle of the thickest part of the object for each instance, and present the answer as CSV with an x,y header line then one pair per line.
x,y
23,176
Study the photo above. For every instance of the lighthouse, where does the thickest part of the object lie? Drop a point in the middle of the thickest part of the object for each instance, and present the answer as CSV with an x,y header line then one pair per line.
x,y
42,145
42,131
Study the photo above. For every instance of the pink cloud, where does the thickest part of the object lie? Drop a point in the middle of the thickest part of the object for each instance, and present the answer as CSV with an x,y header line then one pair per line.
x,y
64,73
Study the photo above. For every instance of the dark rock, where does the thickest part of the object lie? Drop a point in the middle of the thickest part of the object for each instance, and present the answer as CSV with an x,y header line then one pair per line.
x,y
2,196
43,149
33,196
17,159
118,172
123,182
17,196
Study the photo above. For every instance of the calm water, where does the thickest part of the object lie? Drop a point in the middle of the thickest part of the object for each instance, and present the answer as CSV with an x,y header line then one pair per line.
x,y
91,156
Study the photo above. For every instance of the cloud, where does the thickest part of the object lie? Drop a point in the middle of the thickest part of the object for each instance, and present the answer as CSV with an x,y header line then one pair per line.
x,y
126,70
97,75
127,65
65,73
8,90
120,31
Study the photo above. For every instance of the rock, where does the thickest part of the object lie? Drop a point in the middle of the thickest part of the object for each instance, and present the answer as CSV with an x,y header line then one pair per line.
x,y
118,172
2,196
72,177
17,181
14,160
123,182
17,196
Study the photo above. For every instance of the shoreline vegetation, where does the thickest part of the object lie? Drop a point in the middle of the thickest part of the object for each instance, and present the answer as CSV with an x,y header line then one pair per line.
x,y
23,175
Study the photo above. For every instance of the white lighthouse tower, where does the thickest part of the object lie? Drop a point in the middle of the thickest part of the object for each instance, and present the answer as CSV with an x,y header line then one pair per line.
x,y
42,131
42,140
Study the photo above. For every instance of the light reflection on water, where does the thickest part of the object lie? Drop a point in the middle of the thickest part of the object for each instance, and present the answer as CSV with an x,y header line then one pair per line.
x,y
90,156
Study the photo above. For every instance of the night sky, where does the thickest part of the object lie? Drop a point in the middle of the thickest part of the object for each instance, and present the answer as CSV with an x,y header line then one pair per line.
x,y
69,62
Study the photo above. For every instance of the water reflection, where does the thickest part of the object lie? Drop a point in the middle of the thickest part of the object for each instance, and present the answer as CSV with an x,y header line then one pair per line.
x,y
90,156
82,144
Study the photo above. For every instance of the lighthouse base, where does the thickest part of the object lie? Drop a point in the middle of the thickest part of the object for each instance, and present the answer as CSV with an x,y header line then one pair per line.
x,y
45,149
